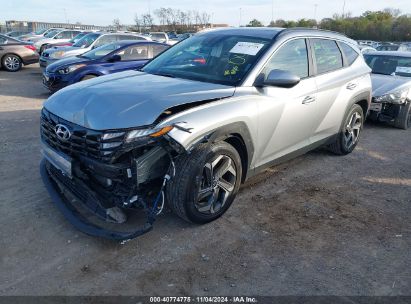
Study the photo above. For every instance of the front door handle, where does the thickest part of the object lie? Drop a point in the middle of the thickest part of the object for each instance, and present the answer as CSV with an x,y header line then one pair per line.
x,y
308,99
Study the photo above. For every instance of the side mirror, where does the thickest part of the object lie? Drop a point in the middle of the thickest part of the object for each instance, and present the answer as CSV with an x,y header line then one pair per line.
x,y
277,78
114,58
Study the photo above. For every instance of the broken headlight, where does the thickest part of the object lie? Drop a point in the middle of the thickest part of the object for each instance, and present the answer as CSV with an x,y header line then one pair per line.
x,y
153,132
397,97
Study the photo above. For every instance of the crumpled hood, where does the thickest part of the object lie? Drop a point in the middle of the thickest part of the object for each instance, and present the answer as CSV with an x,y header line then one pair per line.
x,y
128,99
383,84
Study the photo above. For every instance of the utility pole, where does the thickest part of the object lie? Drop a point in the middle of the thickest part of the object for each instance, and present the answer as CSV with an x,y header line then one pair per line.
x,y
343,11
315,11
239,23
65,15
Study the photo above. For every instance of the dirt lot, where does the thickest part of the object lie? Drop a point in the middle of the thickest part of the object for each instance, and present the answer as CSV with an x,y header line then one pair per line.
x,y
318,225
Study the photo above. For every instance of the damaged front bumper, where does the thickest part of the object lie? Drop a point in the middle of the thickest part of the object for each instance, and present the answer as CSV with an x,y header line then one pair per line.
x,y
75,217
384,111
98,181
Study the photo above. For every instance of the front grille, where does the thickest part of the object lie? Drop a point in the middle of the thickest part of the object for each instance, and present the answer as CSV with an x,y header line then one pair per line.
x,y
83,141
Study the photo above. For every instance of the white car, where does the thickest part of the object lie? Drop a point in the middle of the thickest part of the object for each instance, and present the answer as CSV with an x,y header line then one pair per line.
x,y
162,37
55,37
37,35
366,49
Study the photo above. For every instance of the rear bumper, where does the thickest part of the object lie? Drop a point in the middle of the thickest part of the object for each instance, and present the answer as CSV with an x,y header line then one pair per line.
x,y
73,215
30,59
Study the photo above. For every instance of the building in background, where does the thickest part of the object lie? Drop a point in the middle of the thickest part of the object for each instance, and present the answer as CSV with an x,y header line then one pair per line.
x,y
31,26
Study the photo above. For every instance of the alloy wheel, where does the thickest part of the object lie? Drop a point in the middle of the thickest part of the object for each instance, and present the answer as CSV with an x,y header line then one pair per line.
x,y
12,63
217,184
352,130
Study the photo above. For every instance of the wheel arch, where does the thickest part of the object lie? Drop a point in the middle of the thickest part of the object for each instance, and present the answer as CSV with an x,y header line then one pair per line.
x,y
237,135
363,99
364,105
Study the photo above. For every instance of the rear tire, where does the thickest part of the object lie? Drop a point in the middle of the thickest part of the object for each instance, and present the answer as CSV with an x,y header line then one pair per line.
x,y
206,182
11,63
350,132
403,121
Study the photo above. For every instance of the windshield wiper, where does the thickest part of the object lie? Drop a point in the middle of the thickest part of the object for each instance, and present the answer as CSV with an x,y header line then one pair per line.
x,y
164,74
379,73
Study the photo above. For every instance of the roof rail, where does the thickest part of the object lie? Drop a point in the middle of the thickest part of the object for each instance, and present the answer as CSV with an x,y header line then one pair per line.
x,y
291,29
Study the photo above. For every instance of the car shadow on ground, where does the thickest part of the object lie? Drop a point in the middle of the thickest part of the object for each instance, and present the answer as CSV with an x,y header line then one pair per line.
x,y
26,83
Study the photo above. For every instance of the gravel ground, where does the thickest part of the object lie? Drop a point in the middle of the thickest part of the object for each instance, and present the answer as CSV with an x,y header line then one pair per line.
x,y
317,225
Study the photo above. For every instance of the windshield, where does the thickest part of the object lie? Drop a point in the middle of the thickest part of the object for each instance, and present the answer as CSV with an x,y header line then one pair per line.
x,y
77,38
39,32
389,65
52,33
211,57
101,51
87,40
158,36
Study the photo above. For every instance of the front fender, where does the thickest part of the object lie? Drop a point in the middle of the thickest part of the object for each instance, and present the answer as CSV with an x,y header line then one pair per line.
x,y
215,121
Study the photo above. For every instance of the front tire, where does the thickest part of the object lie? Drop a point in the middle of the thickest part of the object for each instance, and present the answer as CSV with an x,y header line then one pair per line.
x,y
206,182
11,63
350,132
403,121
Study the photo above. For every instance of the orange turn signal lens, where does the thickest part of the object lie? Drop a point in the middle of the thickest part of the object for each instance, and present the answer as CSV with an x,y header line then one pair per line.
x,y
162,131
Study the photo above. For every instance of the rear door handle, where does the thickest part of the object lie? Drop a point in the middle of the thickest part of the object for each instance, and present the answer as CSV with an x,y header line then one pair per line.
x,y
308,99
351,86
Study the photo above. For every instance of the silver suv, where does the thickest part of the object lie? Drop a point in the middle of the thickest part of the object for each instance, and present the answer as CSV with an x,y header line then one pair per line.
x,y
197,121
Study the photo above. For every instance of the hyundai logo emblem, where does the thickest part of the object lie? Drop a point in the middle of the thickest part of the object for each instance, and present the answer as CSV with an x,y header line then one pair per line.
x,y
62,132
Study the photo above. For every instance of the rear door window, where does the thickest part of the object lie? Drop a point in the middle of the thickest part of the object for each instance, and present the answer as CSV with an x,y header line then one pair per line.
x,y
135,52
328,56
65,35
106,39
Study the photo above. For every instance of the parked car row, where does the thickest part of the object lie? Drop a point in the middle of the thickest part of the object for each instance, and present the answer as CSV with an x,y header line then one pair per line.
x,y
107,59
200,118
84,44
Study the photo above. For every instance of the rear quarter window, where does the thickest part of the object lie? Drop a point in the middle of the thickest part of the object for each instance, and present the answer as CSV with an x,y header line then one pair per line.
x,y
350,54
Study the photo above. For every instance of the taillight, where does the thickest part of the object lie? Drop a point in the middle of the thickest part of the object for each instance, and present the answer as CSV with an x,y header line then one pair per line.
x,y
30,47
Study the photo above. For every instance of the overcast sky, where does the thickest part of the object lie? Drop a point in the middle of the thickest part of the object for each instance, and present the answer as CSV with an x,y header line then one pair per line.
x,y
102,12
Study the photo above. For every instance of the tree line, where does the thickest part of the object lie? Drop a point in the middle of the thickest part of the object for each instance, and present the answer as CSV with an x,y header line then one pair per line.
x,y
170,19
386,25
